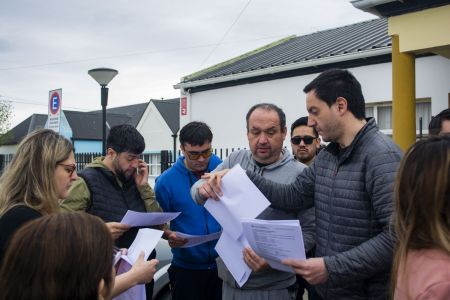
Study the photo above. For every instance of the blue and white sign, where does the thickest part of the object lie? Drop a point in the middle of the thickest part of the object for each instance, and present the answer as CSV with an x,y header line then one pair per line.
x,y
54,110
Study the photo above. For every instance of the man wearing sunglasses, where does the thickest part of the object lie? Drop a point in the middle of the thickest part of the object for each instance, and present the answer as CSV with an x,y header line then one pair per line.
x,y
266,131
193,271
305,141
351,185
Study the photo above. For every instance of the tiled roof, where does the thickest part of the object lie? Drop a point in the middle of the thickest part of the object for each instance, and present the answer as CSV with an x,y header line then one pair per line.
x,y
89,125
134,112
170,111
336,42
16,134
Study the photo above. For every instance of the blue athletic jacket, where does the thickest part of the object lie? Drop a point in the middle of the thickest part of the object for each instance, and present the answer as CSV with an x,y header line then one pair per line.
x,y
172,190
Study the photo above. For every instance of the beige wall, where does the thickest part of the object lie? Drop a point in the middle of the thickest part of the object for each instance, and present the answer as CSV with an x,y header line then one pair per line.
x,y
423,30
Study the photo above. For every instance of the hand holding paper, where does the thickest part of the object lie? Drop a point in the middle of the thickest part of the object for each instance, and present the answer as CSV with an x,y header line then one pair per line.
x,y
275,240
135,219
117,229
312,269
134,265
194,240
174,239
212,188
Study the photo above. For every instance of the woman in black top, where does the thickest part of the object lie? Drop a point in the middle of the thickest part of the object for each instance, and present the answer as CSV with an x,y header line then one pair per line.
x,y
40,174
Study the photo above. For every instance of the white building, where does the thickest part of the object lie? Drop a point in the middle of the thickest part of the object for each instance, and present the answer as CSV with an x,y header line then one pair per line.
x,y
221,95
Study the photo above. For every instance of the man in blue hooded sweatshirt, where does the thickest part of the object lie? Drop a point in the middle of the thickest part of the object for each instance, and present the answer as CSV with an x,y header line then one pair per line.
x,y
193,272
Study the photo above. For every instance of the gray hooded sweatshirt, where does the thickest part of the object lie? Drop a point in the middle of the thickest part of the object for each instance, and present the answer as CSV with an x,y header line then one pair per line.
x,y
285,170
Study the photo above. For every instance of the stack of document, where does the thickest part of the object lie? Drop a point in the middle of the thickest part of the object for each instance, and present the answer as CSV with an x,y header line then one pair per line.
x,y
146,240
275,240
236,211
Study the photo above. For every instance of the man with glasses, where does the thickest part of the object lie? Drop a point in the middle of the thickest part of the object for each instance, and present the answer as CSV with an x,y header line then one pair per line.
x,y
305,141
193,272
266,131
115,183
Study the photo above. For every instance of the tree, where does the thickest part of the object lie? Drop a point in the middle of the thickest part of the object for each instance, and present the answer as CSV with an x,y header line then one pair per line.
x,y
5,116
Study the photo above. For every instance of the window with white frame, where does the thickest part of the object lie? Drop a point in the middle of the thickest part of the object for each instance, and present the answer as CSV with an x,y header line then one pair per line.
x,y
382,112
154,163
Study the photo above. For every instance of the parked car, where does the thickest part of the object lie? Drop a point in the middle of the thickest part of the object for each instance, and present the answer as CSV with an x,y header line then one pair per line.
x,y
161,291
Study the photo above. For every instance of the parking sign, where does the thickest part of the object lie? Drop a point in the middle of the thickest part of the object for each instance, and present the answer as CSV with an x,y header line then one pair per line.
x,y
54,110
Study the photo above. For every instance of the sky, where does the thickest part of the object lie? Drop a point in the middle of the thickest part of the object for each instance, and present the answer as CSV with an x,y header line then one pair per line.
x,y
47,45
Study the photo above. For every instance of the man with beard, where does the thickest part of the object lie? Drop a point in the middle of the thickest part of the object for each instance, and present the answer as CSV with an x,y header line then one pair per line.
x,y
305,141
115,183
266,131
351,184
193,272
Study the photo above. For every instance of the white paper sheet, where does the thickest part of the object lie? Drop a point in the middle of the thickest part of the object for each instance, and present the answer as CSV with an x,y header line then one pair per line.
x,y
241,199
146,240
135,219
194,240
230,251
275,240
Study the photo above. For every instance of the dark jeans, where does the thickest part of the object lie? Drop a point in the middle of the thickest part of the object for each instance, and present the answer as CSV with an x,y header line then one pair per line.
x,y
188,284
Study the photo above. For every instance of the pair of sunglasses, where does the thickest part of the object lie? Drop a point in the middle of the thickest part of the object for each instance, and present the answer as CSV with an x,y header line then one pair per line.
x,y
307,140
193,155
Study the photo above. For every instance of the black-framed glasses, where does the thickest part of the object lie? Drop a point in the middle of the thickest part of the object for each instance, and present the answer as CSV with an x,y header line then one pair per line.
x,y
194,155
69,168
307,140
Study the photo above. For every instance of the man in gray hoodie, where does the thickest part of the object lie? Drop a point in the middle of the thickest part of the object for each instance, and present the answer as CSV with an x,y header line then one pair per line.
x,y
266,131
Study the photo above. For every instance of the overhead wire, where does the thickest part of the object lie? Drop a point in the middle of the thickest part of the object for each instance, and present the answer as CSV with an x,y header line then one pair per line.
x,y
225,34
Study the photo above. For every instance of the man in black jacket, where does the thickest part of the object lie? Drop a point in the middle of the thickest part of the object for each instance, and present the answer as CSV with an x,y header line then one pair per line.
x,y
111,185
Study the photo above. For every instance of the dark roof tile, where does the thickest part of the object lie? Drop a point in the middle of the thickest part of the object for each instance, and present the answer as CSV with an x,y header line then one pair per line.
x,y
348,39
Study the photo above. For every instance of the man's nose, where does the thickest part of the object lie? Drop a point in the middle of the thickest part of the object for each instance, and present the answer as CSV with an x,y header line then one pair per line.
x,y
262,139
135,163
311,121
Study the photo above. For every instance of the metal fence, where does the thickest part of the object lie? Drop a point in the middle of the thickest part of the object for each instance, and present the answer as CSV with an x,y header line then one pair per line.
x,y
5,159
157,162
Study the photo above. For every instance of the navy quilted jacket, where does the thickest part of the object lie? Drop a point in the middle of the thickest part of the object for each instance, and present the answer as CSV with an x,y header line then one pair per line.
x,y
352,191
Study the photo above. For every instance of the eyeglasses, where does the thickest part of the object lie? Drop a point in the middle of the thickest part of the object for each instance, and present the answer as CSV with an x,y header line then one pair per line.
x,y
308,140
69,168
194,155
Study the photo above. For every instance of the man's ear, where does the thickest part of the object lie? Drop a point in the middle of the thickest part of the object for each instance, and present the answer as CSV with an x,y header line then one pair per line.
x,y
284,132
318,140
341,105
110,153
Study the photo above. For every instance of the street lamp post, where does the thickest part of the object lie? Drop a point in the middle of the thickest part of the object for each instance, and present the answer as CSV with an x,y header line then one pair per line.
x,y
103,76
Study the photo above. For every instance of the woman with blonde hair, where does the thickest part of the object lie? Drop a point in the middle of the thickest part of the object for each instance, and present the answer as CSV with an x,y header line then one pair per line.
x,y
59,256
32,185
421,268
40,174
